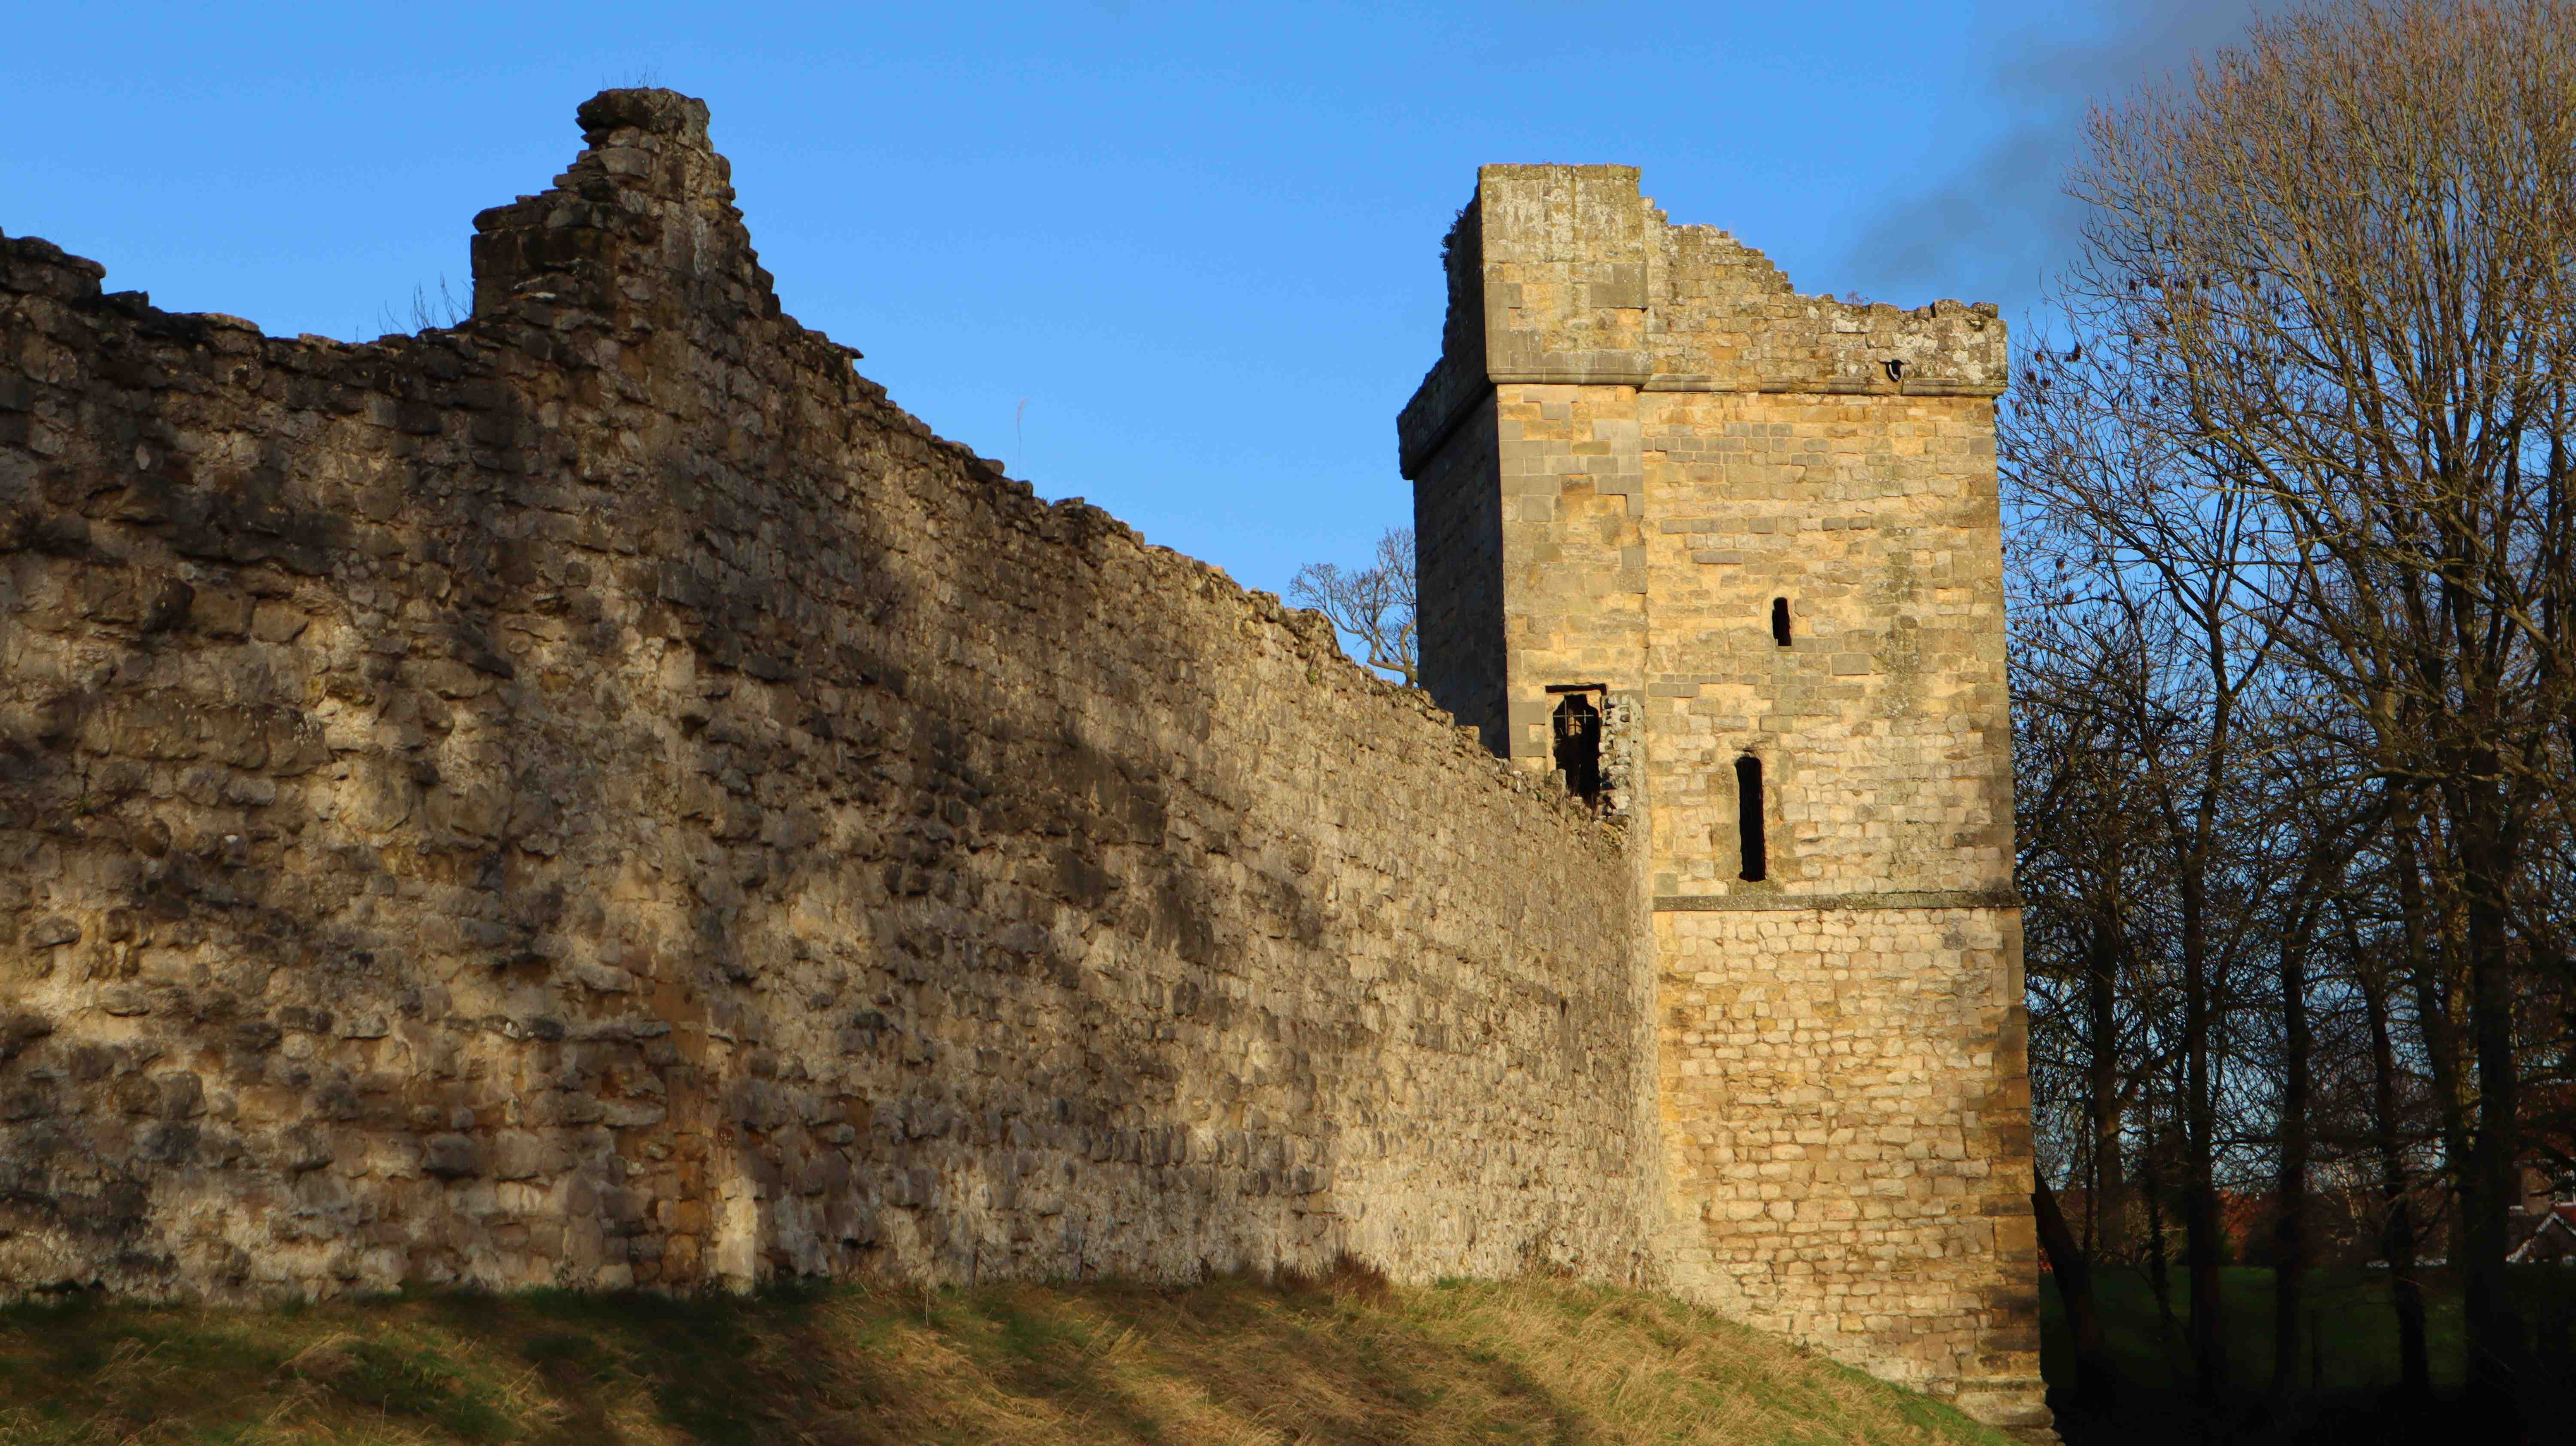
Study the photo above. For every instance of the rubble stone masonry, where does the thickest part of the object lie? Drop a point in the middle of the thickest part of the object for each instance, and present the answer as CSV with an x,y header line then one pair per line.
x,y
597,795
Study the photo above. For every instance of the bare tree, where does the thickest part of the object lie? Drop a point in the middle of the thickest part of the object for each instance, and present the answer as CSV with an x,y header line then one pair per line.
x,y
2154,624
2339,262
1374,604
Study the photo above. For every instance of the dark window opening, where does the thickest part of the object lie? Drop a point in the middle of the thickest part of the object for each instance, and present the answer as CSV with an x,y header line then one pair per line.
x,y
1748,816
1578,746
1780,621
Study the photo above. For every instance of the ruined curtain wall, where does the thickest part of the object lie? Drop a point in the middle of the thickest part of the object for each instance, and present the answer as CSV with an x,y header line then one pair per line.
x,y
598,795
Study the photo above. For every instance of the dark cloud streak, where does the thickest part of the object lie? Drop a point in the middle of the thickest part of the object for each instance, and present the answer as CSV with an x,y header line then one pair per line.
x,y
2000,224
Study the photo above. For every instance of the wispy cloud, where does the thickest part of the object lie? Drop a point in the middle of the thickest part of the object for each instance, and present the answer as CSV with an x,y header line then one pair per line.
x,y
1996,227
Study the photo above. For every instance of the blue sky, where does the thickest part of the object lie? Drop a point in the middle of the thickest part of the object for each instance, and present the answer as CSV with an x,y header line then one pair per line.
x,y
1178,259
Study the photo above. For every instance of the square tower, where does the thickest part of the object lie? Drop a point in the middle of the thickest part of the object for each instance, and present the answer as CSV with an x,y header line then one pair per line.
x,y
1759,531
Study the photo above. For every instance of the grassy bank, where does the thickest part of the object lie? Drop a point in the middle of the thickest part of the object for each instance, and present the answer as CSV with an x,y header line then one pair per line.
x,y
1234,1361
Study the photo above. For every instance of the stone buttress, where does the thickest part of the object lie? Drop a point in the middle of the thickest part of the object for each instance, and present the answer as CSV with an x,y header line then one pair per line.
x,y
1757,532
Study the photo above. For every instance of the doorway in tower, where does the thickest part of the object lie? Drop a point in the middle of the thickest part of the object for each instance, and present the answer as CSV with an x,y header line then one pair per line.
x,y
1577,750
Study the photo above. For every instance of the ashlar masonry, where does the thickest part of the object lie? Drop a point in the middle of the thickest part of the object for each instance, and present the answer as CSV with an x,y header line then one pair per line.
x,y
1758,531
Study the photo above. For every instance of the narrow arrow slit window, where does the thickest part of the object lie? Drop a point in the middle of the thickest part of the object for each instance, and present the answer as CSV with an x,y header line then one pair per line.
x,y
1748,817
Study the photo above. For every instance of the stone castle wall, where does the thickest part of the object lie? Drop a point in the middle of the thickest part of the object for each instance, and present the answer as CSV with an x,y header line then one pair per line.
x,y
597,795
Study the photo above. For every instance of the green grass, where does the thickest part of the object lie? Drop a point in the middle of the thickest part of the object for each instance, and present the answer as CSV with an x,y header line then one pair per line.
x,y
2351,1345
1344,1360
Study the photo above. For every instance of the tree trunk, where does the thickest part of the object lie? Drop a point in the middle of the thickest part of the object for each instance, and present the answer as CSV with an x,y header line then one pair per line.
x,y
2201,1228
2159,1273
2397,1227
2493,1330
2290,1187
2433,1006
2110,1203
2074,1276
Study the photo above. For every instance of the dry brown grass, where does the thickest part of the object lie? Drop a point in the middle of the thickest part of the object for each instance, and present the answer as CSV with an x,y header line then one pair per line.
x,y
1342,1359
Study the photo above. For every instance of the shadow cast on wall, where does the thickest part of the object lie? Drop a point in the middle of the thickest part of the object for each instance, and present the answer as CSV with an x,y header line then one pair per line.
x,y
597,795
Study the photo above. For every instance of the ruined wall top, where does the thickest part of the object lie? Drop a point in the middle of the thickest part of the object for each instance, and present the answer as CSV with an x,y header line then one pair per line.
x,y
641,228
1566,274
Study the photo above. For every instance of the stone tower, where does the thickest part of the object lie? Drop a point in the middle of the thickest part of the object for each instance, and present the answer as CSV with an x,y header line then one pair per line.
x,y
1747,541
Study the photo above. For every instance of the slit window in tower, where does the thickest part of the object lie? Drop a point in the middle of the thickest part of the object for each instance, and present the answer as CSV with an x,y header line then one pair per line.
x,y
1578,746
1780,621
1748,816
